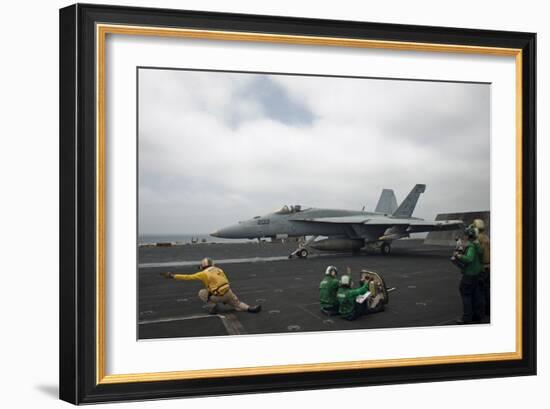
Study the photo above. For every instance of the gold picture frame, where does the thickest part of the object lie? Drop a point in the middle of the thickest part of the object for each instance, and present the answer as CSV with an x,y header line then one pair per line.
x,y
95,24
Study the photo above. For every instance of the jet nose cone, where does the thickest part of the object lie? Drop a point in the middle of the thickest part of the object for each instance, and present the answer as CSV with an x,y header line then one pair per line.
x,y
229,232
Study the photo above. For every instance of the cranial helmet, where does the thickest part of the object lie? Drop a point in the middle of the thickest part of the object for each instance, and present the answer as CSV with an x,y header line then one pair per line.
x,y
471,232
345,280
206,262
479,224
331,269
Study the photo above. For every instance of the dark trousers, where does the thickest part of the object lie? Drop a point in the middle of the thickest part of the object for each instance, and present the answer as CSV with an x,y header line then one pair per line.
x,y
360,309
329,310
485,277
472,300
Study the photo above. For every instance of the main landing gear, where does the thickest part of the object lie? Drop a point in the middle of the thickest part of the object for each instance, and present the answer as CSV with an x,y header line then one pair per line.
x,y
385,248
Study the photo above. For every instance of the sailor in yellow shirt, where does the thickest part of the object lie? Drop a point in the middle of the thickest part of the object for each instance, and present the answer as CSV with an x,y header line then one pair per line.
x,y
217,289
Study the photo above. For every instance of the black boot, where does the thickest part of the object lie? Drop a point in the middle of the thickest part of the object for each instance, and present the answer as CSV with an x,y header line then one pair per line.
x,y
255,308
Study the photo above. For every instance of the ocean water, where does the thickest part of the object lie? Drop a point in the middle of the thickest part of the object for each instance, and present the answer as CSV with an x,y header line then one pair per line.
x,y
186,238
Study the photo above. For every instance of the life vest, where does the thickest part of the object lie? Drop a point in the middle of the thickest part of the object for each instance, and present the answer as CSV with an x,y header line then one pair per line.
x,y
327,291
218,284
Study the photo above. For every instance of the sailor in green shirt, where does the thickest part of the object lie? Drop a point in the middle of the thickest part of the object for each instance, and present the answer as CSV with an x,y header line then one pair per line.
x,y
327,291
348,308
470,285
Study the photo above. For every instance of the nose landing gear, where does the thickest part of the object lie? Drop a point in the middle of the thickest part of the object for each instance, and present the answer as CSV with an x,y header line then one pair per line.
x,y
299,252
302,250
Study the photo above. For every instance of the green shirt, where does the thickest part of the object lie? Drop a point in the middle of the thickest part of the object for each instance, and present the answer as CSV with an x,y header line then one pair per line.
x,y
327,292
472,258
346,298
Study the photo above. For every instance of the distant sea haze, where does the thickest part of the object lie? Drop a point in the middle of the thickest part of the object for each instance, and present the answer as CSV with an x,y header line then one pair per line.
x,y
185,238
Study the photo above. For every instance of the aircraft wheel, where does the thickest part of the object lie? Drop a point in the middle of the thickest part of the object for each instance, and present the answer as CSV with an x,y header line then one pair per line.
x,y
303,253
385,249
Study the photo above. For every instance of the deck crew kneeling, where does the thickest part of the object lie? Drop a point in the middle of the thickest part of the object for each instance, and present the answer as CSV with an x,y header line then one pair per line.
x,y
354,302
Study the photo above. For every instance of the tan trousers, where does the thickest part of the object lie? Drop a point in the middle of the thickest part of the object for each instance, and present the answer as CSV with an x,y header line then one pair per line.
x,y
228,298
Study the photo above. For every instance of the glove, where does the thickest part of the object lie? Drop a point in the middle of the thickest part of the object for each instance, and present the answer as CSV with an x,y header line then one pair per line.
x,y
167,274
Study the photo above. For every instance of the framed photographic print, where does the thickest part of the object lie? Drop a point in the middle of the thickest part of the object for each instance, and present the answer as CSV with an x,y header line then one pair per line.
x,y
258,203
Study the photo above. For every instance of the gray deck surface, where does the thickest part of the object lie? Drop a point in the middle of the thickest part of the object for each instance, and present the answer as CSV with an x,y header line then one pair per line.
x,y
426,289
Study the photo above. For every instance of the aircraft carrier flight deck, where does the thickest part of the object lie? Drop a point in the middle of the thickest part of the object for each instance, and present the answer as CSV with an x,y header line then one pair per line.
x,y
425,281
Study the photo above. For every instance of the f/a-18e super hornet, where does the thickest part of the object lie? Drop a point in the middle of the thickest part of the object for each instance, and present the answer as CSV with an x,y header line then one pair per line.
x,y
343,230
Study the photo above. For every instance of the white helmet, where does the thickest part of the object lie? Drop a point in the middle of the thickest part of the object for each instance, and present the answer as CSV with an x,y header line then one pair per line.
x,y
345,280
206,262
331,269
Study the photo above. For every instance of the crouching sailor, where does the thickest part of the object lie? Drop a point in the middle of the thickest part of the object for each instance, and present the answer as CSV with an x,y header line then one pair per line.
x,y
328,288
349,308
217,289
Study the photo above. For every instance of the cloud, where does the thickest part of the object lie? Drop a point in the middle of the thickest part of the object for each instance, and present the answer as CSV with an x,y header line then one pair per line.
x,y
218,147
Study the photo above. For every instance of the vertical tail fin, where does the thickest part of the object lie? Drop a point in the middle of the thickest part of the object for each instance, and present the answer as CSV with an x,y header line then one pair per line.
x,y
387,202
406,208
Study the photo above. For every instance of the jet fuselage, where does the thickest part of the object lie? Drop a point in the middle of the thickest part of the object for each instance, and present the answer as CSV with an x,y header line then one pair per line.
x,y
298,224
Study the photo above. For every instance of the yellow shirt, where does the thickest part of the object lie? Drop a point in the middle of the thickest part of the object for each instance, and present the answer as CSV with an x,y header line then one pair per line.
x,y
213,278
485,245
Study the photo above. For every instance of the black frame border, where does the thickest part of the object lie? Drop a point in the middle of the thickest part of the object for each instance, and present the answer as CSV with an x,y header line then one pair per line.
x,y
78,197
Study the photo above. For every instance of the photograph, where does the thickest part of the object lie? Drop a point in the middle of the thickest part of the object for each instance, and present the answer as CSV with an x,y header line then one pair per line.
x,y
256,203
276,203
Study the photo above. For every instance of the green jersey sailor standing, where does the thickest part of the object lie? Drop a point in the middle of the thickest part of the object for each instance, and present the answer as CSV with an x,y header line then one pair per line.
x,y
328,288
349,309
470,288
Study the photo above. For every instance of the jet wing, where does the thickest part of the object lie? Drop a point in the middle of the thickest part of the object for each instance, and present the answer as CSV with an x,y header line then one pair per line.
x,y
338,220
408,225
419,226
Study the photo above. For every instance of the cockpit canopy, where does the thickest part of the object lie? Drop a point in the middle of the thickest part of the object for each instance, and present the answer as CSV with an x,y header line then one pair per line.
x,y
289,209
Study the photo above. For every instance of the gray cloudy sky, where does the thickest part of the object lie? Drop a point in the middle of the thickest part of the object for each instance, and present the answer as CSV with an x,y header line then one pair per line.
x,y
219,147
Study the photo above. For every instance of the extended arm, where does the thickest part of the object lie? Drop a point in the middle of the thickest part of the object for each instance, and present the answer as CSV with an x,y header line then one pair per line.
x,y
359,291
201,276
185,277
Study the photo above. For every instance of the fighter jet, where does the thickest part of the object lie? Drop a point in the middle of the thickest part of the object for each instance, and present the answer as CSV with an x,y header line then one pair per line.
x,y
341,230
